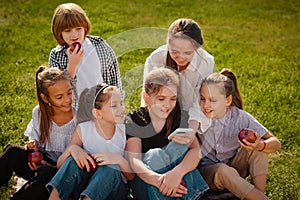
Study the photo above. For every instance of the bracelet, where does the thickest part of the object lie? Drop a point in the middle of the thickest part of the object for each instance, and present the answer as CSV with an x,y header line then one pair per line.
x,y
264,146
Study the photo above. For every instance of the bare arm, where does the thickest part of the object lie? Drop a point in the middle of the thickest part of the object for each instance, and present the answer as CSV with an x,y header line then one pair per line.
x,y
74,60
189,163
272,143
267,144
191,159
134,149
106,158
74,149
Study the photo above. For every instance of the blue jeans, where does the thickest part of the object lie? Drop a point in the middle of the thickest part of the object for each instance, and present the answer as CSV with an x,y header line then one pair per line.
x,y
162,161
105,183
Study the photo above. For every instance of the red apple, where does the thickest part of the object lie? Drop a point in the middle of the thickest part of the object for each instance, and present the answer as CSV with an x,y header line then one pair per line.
x,y
35,157
247,134
93,169
73,46
183,183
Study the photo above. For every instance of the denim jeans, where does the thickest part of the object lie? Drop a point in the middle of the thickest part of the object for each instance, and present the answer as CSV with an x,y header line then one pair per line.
x,y
162,161
105,183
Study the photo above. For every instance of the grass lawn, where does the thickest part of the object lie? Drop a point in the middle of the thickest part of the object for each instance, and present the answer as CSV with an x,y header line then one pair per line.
x,y
258,39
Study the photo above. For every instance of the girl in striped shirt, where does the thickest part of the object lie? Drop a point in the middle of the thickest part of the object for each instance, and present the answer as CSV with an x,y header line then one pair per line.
x,y
49,131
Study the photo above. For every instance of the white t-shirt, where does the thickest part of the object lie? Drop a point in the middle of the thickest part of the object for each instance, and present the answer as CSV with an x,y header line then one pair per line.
x,y
93,142
201,65
89,70
60,136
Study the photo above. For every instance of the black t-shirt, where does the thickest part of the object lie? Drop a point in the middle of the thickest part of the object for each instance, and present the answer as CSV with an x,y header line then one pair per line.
x,y
138,124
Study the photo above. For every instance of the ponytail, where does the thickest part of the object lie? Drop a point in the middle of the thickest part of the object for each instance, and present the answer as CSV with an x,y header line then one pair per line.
x,y
44,108
236,96
228,80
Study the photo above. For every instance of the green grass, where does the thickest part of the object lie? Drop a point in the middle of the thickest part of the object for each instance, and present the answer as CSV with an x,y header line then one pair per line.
x,y
257,39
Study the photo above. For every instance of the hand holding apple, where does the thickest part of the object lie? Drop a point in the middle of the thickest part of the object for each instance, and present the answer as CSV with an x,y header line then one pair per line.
x,y
73,46
247,134
92,168
35,157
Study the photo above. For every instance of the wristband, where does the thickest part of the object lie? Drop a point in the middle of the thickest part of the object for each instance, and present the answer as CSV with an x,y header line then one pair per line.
x,y
264,146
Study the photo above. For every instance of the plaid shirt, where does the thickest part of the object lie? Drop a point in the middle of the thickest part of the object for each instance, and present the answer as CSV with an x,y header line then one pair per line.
x,y
110,70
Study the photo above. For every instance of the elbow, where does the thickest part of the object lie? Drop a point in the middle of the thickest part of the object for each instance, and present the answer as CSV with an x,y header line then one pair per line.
x,y
279,145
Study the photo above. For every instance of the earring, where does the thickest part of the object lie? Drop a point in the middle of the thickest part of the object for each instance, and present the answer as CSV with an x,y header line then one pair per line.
x,y
49,104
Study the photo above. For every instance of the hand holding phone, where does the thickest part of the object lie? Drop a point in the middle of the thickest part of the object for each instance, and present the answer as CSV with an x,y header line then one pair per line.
x,y
181,131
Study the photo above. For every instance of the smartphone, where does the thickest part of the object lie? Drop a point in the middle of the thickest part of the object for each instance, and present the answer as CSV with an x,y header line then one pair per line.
x,y
181,131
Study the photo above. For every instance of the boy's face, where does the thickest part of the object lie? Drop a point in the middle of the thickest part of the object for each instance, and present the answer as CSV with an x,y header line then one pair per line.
x,y
212,102
73,35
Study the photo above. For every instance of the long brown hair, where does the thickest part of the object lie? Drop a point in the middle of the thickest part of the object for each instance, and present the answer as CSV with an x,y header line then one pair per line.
x,y
67,16
46,77
228,80
155,80
184,29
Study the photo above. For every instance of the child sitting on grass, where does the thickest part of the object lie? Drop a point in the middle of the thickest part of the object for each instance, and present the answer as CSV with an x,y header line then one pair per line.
x,y
92,167
227,161
49,131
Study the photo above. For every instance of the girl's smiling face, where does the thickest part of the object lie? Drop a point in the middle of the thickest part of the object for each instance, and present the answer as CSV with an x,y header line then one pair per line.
x,y
212,102
73,35
160,105
60,96
113,111
181,51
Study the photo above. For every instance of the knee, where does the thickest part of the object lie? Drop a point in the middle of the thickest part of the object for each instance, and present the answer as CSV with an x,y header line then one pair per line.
x,y
154,153
155,156
12,150
259,157
224,172
70,164
112,172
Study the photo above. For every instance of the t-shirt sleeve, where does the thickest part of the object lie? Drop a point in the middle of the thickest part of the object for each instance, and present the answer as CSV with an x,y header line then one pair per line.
x,y
251,123
32,130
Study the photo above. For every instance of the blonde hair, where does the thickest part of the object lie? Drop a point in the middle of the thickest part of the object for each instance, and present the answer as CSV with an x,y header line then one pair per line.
x,y
158,78
67,16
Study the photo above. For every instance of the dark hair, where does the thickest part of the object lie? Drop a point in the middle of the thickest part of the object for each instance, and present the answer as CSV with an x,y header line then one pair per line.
x,y
228,79
158,78
67,16
91,98
46,77
103,94
185,29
